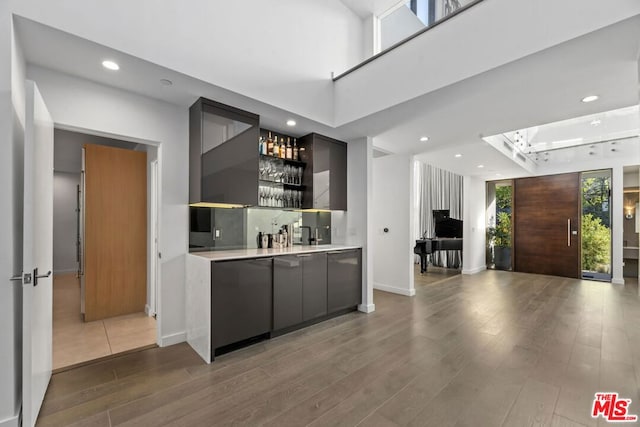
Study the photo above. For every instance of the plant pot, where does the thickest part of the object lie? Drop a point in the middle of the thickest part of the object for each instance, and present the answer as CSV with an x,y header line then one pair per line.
x,y
502,258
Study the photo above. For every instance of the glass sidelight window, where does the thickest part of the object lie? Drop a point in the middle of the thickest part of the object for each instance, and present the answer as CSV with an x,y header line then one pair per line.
x,y
596,225
499,228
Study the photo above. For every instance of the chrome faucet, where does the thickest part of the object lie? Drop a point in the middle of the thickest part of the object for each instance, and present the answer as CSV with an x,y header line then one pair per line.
x,y
314,238
311,239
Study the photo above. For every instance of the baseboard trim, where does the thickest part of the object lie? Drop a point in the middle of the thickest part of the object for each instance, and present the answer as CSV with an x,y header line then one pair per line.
x,y
617,281
474,270
11,422
369,308
148,311
172,339
400,291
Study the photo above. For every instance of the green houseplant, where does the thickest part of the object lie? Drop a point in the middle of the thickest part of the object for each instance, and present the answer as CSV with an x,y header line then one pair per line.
x,y
500,240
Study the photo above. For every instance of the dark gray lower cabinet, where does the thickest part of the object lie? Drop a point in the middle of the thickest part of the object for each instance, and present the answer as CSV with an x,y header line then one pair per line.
x,y
287,291
314,285
241,300
299,289
344,279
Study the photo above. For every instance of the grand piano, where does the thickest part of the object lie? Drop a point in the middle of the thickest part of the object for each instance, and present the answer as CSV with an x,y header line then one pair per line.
x,y
448,238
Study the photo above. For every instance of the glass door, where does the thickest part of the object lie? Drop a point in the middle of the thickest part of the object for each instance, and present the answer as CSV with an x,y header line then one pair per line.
x,y
596,225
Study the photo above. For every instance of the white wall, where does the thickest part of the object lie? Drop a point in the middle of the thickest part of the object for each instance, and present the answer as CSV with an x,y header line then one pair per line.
x,y
65,222
474,226
259,48
393,185
89,107
397,26
470,43
355,226
12,112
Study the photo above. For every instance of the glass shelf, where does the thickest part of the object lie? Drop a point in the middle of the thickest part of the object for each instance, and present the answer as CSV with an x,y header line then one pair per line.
x,y
285,161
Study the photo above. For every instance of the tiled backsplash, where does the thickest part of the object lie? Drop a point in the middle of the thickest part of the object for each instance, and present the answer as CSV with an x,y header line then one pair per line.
x,y
224,229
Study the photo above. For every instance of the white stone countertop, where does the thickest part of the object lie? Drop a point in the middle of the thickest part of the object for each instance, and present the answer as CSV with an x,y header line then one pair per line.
x,y
224,255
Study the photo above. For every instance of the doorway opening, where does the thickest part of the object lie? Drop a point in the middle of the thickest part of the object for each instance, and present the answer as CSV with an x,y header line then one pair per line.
x,y
595,188
80,337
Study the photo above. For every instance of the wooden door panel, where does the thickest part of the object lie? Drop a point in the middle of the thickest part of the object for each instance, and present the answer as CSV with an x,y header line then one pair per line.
x,y
542,207
115,232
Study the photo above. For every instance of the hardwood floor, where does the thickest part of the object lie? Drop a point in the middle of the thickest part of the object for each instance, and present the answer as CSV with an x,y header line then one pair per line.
x,y
433,275
496,348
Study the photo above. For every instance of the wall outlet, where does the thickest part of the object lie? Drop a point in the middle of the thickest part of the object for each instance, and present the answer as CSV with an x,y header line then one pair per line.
x,y
217,233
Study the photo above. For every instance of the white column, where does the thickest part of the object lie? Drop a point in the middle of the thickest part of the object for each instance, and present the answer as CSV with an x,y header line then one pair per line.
x,y
354,226
474,226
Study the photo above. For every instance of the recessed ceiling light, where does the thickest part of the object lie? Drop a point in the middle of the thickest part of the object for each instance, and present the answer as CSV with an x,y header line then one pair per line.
x,y
596,122
291,122
424,139
458,155
166,82
110,65
480,166
590,98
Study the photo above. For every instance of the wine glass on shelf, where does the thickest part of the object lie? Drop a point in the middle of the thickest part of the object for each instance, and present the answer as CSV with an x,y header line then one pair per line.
x,y
287,198
299,194
294,173
287,173
300,170
262,168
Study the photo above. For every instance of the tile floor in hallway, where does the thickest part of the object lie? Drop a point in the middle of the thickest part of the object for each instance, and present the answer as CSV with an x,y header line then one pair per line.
x,y
491,349
75,341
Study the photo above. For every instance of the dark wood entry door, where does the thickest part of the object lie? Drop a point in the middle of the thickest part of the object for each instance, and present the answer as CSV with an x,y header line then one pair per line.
x,y
547,225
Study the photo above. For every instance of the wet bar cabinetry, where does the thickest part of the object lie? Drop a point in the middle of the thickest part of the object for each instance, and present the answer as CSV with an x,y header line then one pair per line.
x,y
237,297
223,154
299,289
325,176
226,164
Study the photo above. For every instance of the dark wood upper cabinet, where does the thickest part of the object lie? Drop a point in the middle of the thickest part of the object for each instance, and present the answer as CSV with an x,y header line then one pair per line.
x,y
223,154
325,175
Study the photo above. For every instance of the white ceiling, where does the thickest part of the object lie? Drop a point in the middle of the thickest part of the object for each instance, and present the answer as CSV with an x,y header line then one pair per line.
x,y
541,88
57,50
365,8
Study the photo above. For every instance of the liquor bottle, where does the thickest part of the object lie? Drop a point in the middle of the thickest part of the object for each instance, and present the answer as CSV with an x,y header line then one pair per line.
x,y
269,145
296,153
283,149
276,147
289,150
261,145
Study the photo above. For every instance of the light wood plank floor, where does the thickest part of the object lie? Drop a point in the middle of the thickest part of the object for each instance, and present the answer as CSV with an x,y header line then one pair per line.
x,y
433,275
496,348
76,342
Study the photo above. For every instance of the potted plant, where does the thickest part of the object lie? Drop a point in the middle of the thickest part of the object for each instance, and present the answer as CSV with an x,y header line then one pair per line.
x,y
500,240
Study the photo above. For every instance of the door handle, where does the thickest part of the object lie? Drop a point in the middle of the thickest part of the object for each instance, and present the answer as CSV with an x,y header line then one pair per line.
x,y
41,276
568,231
24,278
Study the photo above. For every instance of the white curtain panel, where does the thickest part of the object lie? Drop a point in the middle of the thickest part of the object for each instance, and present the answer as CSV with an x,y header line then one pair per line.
x,y
437,189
